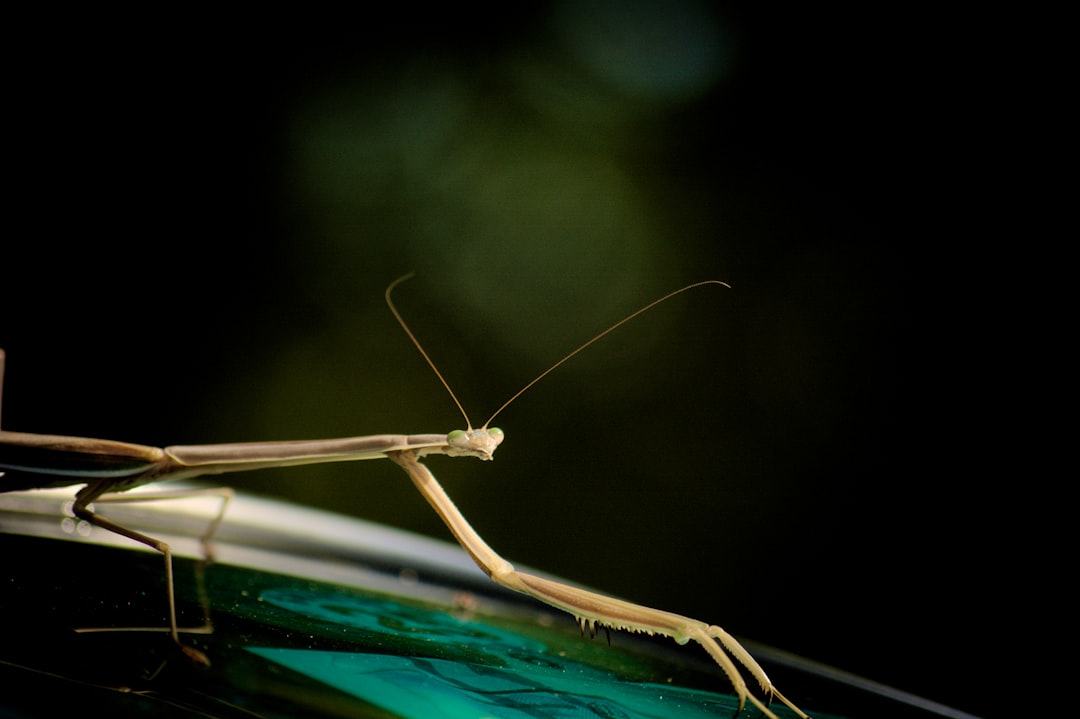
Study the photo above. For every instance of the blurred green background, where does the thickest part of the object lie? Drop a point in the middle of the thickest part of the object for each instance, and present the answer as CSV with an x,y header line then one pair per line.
x,y
204,212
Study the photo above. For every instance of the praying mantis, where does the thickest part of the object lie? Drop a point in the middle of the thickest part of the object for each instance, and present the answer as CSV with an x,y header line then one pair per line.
x,y
108,468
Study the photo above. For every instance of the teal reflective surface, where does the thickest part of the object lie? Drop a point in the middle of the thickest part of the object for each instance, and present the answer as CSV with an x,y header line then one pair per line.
x,y
314,616
417,688
471,668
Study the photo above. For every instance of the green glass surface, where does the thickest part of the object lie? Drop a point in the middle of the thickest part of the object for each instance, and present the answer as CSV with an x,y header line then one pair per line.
x,y
314,615
461,668
287,646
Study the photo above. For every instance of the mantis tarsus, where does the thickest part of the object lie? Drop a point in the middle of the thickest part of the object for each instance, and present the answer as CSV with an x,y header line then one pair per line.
x,y
106,468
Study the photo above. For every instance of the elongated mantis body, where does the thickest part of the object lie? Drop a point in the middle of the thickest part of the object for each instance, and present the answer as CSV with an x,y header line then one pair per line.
x,y
107,467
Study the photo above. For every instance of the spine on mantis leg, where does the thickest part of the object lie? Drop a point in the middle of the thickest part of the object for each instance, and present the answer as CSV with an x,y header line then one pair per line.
x,y
591,609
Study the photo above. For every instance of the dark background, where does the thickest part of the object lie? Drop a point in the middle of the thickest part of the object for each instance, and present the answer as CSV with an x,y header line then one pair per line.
x,y
204,211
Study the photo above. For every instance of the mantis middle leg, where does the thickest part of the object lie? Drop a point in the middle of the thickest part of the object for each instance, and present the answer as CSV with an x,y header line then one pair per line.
x,y
97,492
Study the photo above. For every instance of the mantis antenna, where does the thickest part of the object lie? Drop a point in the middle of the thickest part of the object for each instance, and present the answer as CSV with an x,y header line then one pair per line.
x,y
549,370
404,326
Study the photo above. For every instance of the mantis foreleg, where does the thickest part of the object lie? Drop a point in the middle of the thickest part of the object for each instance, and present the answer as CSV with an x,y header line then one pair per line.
x,y
590,608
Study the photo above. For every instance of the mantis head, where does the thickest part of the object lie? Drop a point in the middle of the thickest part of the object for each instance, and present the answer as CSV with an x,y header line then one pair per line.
x,y
479,443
